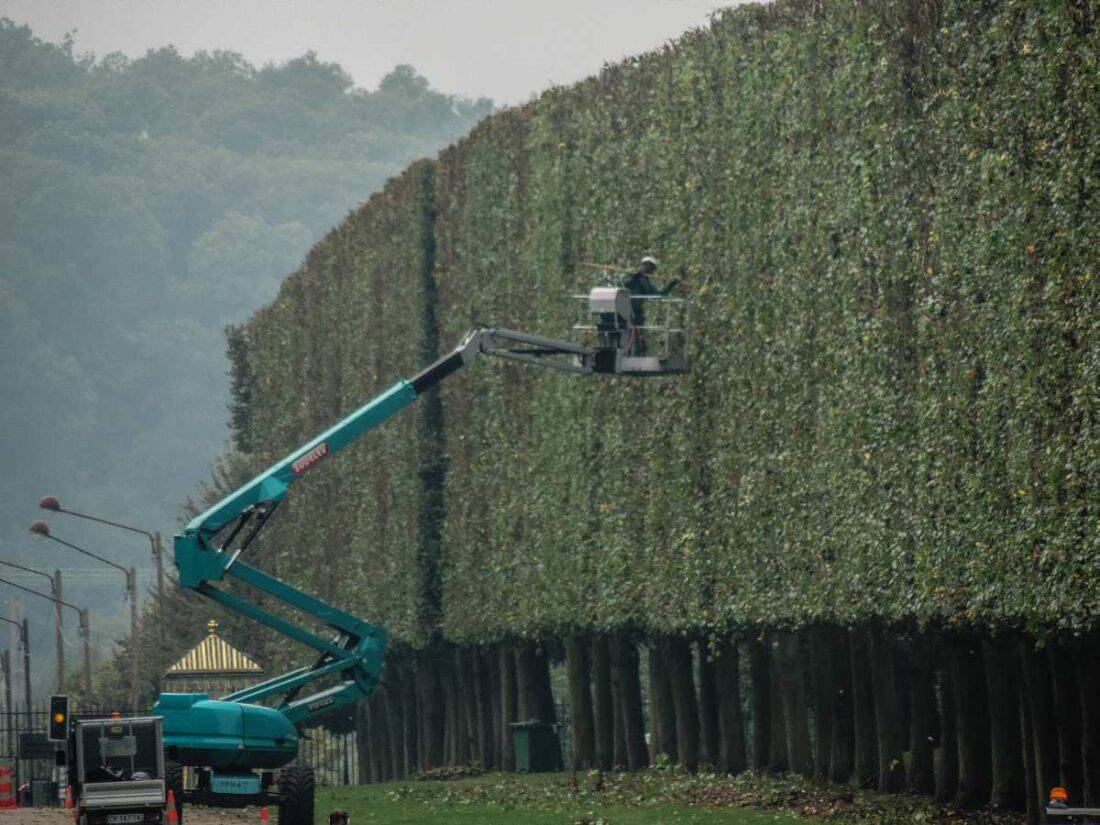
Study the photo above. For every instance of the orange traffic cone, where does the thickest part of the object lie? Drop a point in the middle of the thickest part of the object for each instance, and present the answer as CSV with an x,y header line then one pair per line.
x,y
7,791
173,817
68,796
264,817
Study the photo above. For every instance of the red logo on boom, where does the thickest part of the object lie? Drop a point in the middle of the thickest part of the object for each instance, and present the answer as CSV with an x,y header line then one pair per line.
x,y
309,459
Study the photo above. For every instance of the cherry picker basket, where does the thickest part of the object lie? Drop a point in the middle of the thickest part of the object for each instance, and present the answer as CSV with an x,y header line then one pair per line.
x,y
645,334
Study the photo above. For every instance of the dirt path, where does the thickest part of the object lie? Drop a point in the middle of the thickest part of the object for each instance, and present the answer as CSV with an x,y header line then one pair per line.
x,y
192,816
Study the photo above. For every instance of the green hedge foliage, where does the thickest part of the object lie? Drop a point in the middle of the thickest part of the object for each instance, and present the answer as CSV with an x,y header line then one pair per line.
x,y
887,218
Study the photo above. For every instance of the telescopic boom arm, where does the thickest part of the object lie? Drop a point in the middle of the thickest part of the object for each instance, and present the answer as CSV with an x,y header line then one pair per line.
x,y
209,547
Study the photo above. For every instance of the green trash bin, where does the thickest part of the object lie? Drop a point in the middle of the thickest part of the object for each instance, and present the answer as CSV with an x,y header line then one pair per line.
x,y
538,748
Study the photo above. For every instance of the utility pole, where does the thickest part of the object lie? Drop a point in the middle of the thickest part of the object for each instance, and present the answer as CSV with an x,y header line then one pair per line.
x,y
5,663
26,664
86,633
133,641
158,557
60,636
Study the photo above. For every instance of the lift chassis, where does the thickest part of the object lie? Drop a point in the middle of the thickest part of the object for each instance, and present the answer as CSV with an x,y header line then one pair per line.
x,y
240,751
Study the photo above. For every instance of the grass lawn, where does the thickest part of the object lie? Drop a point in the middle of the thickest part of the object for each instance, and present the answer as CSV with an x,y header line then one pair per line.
x,y
540,799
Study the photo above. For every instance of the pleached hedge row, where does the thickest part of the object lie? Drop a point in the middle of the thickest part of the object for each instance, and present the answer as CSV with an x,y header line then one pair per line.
x,y
886,218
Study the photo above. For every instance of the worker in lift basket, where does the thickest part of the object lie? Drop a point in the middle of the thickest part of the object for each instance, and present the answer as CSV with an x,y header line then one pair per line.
x,y
639,283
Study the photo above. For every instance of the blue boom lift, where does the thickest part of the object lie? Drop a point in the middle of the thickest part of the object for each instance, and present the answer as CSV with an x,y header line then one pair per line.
x,y
240,750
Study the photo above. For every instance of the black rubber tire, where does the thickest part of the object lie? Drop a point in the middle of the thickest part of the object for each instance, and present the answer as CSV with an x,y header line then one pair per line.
x,y
296,791
173,781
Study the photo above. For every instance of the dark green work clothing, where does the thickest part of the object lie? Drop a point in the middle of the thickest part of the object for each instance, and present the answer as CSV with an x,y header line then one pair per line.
x,y
640,284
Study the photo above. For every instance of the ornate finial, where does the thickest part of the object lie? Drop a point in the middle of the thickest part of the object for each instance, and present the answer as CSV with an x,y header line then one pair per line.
x,y
212,626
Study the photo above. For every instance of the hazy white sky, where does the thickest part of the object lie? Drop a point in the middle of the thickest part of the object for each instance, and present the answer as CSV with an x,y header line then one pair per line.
x,y
506,49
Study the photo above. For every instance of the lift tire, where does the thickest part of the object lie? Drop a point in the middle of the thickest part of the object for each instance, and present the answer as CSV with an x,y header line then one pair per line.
x,y
296,789
173,781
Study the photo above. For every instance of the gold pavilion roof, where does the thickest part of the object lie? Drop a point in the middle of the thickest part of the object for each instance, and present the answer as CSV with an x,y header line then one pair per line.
x,y
213,656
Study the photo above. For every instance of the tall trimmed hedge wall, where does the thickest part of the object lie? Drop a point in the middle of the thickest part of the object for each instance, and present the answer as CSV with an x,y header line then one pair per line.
x,y
886,215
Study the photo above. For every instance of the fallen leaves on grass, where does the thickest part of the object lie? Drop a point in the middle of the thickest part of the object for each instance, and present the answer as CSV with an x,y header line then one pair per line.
x,y
667,785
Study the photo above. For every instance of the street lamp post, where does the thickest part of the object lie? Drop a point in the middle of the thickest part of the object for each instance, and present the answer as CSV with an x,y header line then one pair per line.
x,y
85,632
53,504
55,588
40,528
25,641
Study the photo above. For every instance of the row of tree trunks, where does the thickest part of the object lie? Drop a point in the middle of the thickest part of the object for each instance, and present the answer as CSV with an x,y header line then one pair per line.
x,y
971,719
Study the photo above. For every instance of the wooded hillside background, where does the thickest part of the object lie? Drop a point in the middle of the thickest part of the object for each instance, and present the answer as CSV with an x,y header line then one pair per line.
x,y
144,204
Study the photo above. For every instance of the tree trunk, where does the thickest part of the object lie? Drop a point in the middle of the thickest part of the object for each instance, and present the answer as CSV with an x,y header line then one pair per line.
x,y
681,674
778,760
624,671
708,708
603,699
889,723
865,761
792,690
546,708
619,718
411,732
731,723
662,716
484,692
431,702
760,670
580,702
1031,790
972,723
947,773
1067,715
469,753
1039,695
844,733
492,669
362,741
1002,686
822,656
528,690
1088,688
452,709
395,719
508,705
922,720
380,735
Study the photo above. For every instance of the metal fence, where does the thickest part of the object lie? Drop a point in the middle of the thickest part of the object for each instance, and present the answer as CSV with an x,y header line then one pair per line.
x,y
334,757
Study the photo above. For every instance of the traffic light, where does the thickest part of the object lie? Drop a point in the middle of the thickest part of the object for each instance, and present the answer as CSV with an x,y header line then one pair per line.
x,y
59,719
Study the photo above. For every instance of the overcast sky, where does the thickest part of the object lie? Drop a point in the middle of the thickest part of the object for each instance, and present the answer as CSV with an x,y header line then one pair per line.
x,y
505,49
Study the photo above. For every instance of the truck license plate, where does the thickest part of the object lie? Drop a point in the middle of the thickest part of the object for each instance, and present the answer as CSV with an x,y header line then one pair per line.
x,y
118,819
